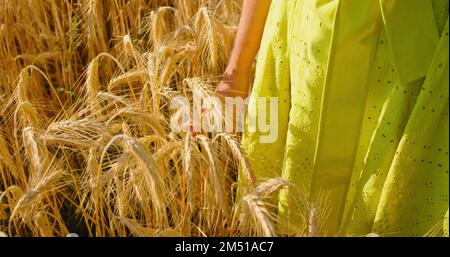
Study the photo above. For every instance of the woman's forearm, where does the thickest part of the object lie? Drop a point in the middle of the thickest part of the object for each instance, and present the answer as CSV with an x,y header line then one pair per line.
x,y
248,38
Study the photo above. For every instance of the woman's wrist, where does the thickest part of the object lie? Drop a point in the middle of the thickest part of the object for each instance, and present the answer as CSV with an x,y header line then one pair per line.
x,y
239,66
236,74
237,81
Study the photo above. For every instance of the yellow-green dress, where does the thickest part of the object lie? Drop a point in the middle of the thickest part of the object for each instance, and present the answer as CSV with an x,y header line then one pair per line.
x,y
363,131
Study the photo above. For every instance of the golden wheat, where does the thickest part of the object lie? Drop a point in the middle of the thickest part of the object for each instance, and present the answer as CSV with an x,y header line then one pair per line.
x,y
85,141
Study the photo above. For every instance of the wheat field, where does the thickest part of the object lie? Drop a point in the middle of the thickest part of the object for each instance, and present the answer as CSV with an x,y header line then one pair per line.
x,y
85,141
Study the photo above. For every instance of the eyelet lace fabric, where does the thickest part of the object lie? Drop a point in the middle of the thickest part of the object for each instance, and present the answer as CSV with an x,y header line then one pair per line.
x,y
367,148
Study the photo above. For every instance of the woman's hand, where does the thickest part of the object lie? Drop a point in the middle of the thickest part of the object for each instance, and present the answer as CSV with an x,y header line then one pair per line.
x,y
233,86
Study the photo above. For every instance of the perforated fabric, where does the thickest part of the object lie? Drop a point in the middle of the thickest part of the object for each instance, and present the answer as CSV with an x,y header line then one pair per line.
x,y
350,131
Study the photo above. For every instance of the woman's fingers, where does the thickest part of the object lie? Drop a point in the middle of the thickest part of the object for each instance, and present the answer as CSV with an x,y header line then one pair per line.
x,y
227,89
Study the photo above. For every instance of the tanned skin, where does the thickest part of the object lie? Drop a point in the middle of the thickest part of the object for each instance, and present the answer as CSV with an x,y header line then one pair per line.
x,y
236,79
